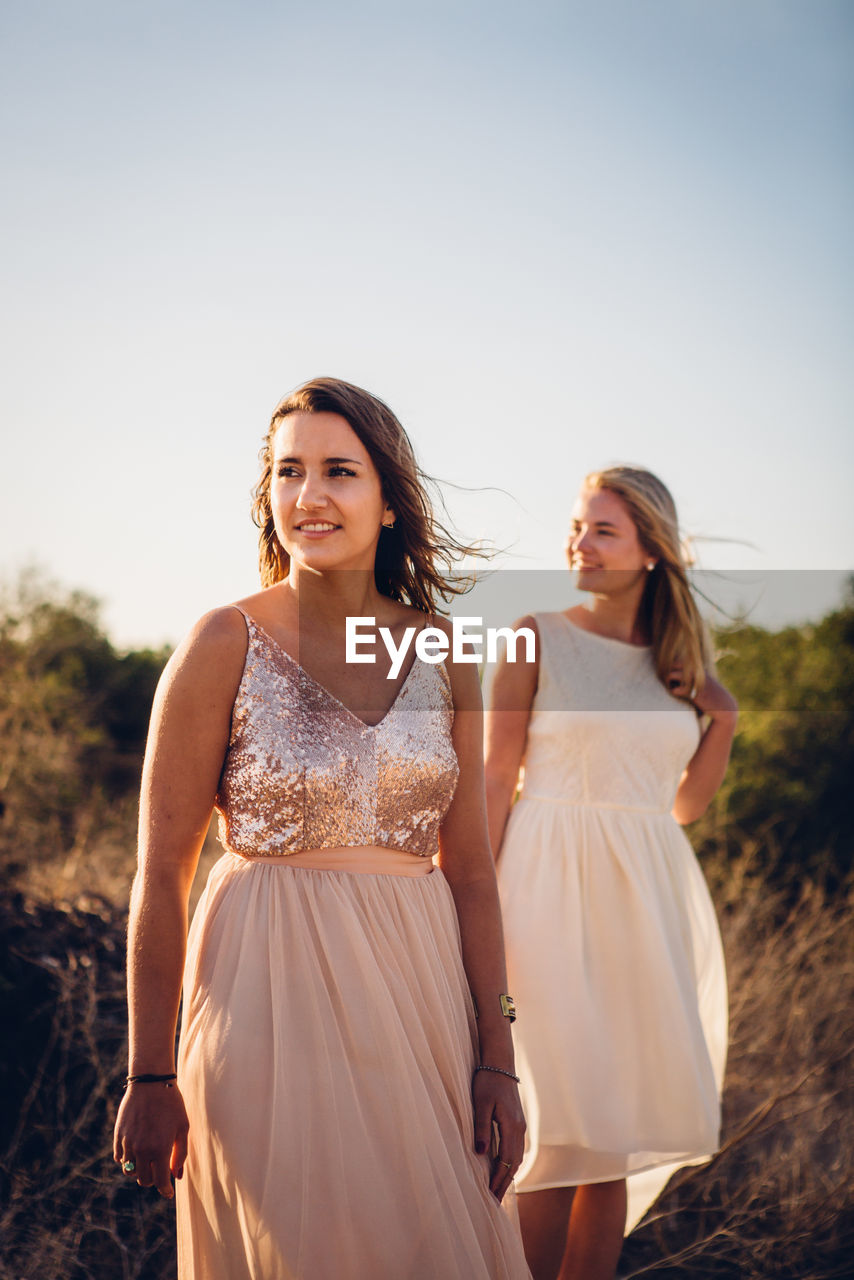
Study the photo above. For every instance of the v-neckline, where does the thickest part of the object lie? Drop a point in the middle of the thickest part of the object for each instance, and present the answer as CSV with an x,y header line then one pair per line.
x,y
322,687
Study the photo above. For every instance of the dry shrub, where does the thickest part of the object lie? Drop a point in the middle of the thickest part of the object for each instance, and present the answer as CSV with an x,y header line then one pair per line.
x,y
66,1212
100,864
777,1200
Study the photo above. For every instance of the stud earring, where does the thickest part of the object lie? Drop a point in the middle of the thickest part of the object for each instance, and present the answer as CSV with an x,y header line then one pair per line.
x,y
650,565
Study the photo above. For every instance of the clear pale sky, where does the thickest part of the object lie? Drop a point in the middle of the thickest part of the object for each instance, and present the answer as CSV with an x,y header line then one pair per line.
x,y
550,235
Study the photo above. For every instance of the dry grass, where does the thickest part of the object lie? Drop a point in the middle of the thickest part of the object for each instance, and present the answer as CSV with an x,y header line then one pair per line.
x,y
65,1211
776,1201
66,1214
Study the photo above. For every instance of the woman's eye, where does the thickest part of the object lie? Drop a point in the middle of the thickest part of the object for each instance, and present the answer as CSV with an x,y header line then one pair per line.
x,y
286,469
341,471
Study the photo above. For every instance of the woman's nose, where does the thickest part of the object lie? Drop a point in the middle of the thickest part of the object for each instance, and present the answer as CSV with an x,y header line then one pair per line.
x,y
311,493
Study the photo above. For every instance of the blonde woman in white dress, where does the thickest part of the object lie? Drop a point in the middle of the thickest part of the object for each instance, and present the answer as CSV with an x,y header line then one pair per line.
x,y
614,952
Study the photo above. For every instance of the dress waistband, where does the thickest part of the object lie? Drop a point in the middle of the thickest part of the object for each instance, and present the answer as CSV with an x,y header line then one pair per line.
x,y
362,859
595,804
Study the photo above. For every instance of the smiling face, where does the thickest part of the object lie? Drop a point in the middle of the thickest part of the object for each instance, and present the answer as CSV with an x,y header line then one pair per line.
x,y
603,547
325,493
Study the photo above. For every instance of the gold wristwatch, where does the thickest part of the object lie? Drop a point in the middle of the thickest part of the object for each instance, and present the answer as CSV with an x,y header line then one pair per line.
x,y
507,1003
508,1007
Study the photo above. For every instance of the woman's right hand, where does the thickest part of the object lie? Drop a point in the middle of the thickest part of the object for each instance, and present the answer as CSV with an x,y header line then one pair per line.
x,y
151,1130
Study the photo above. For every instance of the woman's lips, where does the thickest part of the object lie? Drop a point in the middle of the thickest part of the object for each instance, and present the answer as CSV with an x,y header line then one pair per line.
x,y
317,528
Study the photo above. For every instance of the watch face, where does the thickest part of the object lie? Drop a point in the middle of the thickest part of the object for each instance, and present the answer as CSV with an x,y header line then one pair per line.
x,y
508,1007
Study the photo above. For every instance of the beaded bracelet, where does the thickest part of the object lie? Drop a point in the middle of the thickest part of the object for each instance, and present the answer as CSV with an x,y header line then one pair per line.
x,y
146,1078
500,1071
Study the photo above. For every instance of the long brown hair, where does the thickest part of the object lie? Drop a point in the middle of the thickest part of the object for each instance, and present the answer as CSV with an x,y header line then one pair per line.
x,y
668,610
415,558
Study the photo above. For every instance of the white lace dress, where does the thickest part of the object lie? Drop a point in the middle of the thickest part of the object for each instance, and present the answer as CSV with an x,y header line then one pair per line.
x,y
613,947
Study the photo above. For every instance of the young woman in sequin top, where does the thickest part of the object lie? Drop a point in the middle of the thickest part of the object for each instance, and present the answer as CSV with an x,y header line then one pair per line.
x,y
336,1101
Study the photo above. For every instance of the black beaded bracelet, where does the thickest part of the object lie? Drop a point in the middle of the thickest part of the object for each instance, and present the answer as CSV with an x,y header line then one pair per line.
x,y
150,1079
500,1071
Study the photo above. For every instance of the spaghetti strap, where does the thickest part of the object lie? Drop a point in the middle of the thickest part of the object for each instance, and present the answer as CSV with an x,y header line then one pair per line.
x,y
239,607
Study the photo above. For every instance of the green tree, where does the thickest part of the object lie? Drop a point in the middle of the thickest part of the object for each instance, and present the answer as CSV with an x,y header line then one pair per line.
x,y
789,783
73,715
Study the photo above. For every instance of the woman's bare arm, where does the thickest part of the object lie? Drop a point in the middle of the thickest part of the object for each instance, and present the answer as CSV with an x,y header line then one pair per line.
x,y
705,770
466,861
511,697
187,739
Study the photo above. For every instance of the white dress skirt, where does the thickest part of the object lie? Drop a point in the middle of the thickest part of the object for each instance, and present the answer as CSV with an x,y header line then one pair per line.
x,y
614,952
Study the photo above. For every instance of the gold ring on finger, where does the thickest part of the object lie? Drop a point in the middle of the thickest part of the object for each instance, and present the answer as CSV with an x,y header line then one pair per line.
x,y
506,1164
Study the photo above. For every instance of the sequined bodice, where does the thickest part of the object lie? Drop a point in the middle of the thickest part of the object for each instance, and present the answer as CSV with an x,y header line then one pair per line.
x,y
303,772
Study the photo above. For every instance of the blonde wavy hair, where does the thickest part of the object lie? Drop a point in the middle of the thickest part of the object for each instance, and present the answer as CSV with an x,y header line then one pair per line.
x,y
668,610
415,558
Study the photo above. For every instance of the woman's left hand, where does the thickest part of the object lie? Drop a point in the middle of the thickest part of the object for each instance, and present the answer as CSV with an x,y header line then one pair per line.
x,y
715,700
496,1102
705,771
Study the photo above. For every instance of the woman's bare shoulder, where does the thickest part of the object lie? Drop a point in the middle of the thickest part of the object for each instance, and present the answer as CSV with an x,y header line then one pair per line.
x,y
222,628
511,683
528,620
214,647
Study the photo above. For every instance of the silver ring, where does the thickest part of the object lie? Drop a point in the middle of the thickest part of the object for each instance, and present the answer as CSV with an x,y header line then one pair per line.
x,y
128,1166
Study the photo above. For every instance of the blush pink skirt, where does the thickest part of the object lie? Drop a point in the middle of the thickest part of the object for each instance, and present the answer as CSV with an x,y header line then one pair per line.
x,y
327,1049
